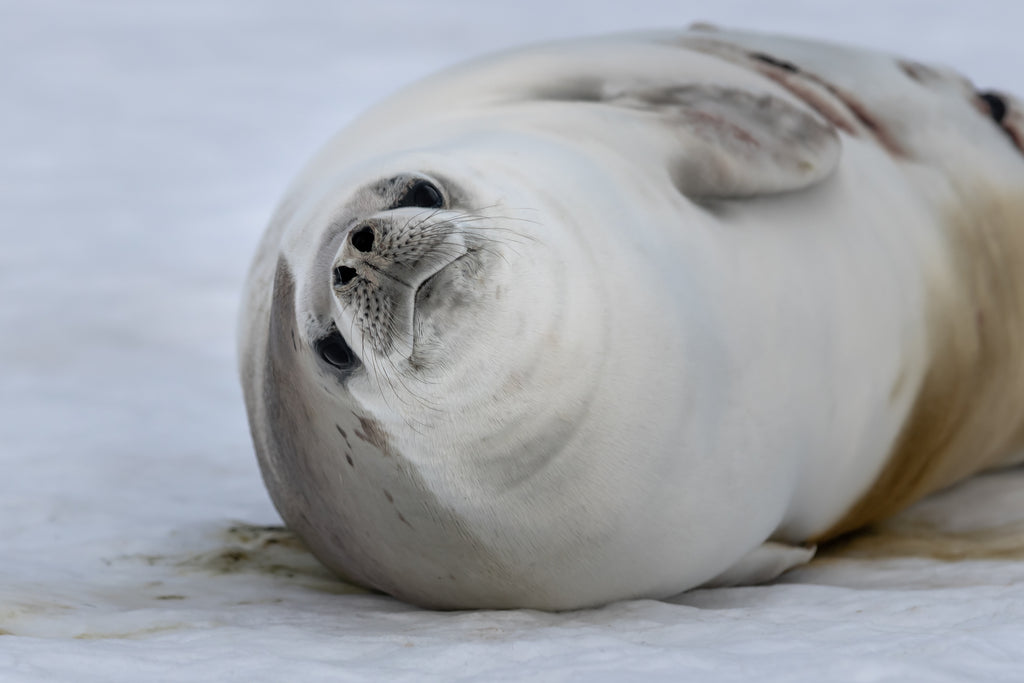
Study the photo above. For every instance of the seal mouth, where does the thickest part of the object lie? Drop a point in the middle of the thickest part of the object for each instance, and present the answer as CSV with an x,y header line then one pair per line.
x,y
428,284
425,300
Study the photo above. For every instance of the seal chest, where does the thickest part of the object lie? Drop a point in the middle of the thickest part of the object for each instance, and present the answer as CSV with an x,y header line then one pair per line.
x,y
619,317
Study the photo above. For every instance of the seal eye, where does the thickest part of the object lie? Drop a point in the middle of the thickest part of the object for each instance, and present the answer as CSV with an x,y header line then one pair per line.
x,y
422,194
996,106
335,351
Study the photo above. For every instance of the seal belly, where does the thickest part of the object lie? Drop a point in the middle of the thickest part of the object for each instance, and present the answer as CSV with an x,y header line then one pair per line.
x,y
968,414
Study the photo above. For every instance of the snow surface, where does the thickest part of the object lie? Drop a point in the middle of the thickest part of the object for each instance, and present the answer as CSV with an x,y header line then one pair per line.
x,y
142,148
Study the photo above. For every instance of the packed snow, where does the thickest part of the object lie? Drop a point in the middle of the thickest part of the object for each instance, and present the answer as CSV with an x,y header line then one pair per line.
x,y
144,145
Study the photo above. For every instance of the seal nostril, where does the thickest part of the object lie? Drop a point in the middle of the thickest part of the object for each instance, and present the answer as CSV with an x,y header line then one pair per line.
x,y
343,275
362,238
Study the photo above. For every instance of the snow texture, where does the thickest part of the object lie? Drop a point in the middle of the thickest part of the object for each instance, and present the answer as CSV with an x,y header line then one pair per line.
x,y
144,145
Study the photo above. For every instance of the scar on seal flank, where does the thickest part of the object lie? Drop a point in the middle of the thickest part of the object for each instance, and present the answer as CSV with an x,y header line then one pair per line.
x,y
789,76
840,108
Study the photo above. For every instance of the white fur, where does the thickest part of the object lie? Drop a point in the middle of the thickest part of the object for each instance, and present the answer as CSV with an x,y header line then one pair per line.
x,y
644,386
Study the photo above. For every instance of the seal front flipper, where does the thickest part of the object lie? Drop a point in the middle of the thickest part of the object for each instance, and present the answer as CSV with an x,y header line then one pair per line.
x,y
764,563
739,143
718,142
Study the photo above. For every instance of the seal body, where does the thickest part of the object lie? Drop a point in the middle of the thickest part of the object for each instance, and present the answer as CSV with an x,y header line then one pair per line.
x,y
612,318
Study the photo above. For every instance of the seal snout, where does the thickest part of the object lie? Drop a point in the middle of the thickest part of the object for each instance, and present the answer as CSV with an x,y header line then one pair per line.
x,y
382,263
358,254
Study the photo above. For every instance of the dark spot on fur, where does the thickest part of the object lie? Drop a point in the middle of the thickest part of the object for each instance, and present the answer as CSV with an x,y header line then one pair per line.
x,y
404,520
341,431
372,434
348,458
778,63
387,495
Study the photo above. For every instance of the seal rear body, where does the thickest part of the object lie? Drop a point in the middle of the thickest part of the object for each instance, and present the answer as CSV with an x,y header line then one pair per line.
x,y
614,317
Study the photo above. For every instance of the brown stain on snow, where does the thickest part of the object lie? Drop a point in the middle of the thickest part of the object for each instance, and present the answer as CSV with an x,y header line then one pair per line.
x,y
264,550
130,635
1004,542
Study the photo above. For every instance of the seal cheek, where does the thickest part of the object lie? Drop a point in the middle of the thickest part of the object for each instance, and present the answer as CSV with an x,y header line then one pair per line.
x,y
284,410
301,448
